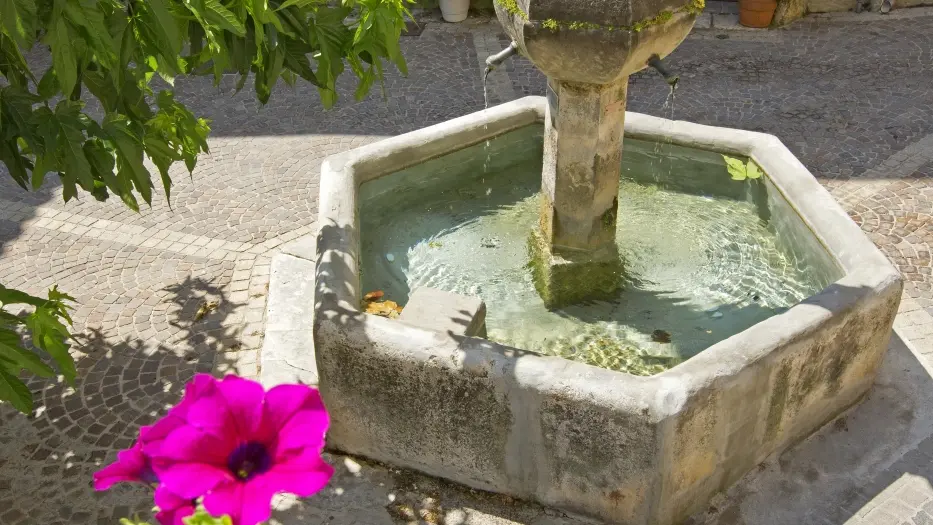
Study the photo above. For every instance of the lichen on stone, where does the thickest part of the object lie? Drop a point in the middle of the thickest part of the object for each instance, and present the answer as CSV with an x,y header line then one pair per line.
x,y
691,7
512,8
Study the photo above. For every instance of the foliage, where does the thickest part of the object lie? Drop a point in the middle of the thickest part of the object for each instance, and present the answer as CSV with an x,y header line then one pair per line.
x,y
45,323
201,517
112,51
741,170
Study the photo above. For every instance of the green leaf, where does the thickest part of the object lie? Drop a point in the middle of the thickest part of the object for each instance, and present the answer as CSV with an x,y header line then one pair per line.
x,y
16,164
735,167
58,37
88,21
16,114
18,18
201,517
15,391
126,138
11,350
223,17
49,334
301,4
48,85
752,171
71,140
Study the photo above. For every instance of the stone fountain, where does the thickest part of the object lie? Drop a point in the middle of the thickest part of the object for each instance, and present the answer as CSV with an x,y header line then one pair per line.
x,y
587,50
430,391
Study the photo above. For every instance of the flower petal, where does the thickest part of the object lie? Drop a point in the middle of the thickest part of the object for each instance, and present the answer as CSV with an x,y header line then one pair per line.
x,y
172,507
304,476
244,403
192,480
131,465
246,503
283,401
304,430
202,385
192,445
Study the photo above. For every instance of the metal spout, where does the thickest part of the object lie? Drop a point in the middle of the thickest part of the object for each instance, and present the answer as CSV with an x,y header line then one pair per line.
x,y
496,60
657,64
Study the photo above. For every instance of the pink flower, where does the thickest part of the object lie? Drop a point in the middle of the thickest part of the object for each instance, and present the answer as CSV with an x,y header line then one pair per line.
x,y
134,464
237,446
131,465
172,508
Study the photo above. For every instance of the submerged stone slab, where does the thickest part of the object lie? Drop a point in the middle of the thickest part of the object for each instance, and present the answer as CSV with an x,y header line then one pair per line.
x,y
445,312
633,450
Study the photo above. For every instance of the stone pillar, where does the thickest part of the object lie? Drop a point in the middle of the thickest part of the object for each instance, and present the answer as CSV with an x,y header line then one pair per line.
x,y
574,251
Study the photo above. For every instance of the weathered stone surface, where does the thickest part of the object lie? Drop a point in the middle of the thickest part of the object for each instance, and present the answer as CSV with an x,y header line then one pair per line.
x,y
787,11
445,312
582,156
595,41
629,449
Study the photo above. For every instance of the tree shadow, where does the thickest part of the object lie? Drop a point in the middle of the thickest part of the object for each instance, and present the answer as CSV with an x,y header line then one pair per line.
x,y
123,383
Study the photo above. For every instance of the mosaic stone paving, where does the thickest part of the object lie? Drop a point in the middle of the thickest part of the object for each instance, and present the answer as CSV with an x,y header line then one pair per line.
x,y
853,100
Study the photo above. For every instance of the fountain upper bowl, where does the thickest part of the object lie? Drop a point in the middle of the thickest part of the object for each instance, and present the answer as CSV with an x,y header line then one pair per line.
x,y
596,41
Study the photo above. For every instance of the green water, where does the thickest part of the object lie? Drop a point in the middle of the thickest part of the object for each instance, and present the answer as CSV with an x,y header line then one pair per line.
x,y
705,256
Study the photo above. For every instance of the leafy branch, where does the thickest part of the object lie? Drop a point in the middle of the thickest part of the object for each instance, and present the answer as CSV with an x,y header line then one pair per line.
x,y
111,50
46,324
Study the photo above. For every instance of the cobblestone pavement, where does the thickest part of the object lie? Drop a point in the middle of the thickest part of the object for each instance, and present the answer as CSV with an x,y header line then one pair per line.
x,y
169,292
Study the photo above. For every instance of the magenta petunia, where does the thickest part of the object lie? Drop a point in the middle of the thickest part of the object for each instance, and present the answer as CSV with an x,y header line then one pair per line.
x,y
237,446
172,508
131,465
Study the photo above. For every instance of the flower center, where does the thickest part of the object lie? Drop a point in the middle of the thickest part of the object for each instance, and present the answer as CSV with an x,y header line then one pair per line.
x,y
248,460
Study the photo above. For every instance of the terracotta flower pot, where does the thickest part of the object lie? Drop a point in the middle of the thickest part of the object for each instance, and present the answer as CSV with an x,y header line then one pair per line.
x,y
756,13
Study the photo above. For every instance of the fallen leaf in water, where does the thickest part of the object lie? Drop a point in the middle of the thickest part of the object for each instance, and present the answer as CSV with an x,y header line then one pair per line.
x,y
372,296
204,309
660,336
389,309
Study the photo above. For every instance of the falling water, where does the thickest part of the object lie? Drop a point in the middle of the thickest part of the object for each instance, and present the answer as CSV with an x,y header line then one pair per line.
x,y
485,107
669,107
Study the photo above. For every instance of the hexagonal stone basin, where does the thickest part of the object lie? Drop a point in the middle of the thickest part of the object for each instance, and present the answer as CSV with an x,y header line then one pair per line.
x,y
421,392
705,256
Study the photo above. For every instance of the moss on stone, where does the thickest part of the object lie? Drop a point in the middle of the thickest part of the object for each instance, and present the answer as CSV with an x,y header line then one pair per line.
x,y
562,282
512,8
691,7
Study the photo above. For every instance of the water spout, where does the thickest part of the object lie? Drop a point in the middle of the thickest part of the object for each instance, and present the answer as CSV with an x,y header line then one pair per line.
x,y
496,60
658,65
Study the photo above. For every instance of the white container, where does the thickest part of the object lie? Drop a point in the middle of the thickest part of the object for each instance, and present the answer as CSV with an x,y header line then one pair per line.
x,y
455,10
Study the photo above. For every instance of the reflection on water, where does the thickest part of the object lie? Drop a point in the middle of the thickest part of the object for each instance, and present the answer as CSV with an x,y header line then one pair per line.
x,y
706,257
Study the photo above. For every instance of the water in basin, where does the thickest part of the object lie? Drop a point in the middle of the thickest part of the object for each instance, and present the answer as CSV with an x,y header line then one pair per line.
x,y
705,256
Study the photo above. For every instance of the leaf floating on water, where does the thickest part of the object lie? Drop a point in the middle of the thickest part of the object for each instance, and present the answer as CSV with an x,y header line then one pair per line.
x,y
372,296
434,244
660,336
735,167
740,170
